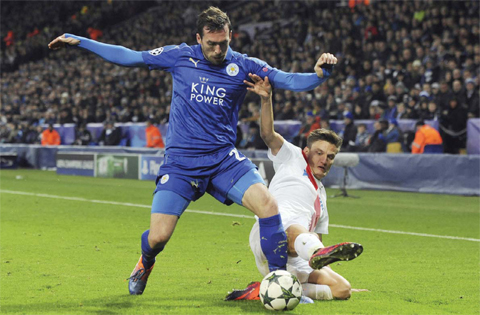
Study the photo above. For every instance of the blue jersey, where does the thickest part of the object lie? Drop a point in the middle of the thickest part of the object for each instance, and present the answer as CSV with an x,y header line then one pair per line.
x,y
206,98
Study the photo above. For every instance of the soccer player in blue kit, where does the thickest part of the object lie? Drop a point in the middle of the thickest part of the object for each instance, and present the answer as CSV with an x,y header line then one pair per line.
x,y
200,155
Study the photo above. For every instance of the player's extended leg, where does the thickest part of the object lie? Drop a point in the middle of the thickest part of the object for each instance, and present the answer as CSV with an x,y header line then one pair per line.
x,y
167,207
301,242
308,246
251,192
323,284
327,255
326,284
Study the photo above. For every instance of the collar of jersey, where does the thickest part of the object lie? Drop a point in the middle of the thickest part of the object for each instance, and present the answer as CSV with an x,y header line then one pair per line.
x,y
309,172
200,55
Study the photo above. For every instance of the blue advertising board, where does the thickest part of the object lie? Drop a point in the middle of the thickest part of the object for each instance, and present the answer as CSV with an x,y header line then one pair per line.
x,y
77,163
8,160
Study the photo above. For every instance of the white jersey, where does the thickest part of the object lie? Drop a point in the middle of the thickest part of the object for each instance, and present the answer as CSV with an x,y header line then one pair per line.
x,y
301,197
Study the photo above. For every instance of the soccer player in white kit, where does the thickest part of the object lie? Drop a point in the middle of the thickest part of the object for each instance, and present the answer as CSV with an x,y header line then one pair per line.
x,y
302,204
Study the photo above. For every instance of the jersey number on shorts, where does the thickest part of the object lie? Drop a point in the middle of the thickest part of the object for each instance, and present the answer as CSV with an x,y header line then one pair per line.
x,y
237,155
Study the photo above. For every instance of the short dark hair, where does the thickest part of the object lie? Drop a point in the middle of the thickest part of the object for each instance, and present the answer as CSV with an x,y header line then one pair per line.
x,y
325,135
213,19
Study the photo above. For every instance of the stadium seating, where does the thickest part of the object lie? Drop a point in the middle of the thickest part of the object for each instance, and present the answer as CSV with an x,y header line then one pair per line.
x,y
289,35
394,147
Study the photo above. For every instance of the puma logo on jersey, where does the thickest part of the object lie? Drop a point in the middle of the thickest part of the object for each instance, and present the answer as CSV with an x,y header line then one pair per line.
x,y
195,63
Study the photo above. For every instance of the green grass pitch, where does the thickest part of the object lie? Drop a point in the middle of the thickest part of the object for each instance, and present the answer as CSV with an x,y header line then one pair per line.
x,y
71,255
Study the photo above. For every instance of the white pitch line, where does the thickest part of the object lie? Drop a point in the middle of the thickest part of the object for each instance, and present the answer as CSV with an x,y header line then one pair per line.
x,y
405,233
13,192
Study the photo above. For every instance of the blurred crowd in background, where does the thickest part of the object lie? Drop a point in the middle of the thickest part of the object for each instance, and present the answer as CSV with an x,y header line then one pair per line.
x,y
396,60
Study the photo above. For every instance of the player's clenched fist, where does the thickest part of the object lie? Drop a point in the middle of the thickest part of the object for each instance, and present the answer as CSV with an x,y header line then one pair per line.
x,y
60,42
325,59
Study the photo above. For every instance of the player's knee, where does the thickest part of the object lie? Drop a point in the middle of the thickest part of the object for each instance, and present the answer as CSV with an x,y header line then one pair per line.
x,y
343,291
268,206
260,201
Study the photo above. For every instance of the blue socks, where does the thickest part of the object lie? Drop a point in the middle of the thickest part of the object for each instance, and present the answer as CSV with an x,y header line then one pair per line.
x,y
148,253
273,240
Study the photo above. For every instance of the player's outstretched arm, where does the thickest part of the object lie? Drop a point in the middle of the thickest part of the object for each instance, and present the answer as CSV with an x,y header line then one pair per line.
x,y
299,82
112,53
273,140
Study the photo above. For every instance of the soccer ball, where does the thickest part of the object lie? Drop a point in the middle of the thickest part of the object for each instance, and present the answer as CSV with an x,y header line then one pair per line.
x,y
280,291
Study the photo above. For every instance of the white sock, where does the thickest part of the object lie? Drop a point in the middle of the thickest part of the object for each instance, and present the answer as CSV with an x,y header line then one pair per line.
x,y
306,244
317,291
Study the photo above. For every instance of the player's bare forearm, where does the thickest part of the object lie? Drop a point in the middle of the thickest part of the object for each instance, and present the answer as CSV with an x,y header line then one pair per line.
x,y
263,88
272,139
267,131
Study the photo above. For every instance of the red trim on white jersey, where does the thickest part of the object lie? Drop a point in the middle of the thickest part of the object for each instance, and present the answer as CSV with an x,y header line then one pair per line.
x,y
317,204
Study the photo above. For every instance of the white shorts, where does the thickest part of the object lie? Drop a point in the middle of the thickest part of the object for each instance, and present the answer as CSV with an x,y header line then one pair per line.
x,y
295,265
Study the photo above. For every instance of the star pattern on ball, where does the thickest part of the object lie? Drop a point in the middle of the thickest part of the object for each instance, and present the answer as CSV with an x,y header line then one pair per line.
x,y
288,294
267,299
272,277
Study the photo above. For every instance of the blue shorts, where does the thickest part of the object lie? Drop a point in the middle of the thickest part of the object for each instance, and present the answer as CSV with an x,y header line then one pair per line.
x,y
191,177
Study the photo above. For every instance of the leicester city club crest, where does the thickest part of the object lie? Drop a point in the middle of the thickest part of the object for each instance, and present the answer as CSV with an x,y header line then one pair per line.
x,y
232,69
164,179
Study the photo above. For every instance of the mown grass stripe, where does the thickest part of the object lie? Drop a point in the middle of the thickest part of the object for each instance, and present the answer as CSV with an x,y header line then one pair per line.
x,y
127,204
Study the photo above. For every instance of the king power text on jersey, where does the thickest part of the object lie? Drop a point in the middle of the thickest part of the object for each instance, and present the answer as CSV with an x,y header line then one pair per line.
x,y
207,94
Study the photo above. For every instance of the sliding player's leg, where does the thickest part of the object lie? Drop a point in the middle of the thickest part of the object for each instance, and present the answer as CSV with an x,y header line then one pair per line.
x,y
301,242
308,246
326,284
339,252
322,284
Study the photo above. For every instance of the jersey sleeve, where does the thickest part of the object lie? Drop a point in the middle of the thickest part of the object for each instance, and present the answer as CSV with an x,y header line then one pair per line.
x,y
112,53
163,58
260,68
287,152
297,82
